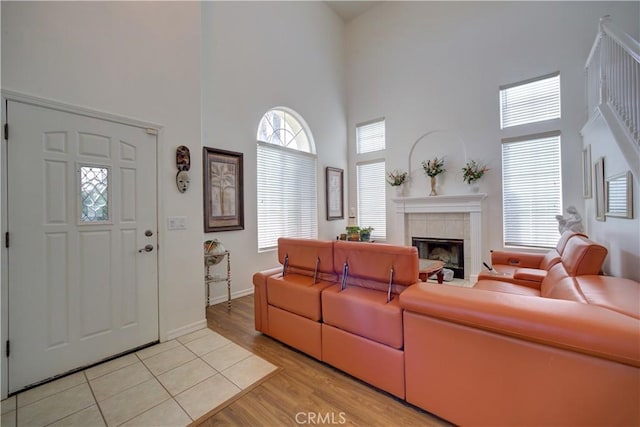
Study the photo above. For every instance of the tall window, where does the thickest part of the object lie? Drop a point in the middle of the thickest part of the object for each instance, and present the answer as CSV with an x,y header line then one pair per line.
x,y
531,164
370,176
286,169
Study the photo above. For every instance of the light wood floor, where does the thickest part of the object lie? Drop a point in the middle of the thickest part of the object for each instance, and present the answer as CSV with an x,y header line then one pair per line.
x,y
304,387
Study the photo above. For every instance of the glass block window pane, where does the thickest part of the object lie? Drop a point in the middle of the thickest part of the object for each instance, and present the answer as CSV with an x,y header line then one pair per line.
x,y
94,192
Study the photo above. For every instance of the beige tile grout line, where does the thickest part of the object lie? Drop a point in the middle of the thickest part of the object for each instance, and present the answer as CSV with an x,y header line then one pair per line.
x,y
95,399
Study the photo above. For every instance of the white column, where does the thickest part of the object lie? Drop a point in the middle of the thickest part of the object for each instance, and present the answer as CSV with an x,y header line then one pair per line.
x,y
475,223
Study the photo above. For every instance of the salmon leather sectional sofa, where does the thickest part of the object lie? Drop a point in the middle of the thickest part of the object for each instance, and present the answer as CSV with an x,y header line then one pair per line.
x,y
500,353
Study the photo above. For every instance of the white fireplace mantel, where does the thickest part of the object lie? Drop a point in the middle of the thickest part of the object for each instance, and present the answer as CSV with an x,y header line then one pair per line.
x,y
440,204
463,203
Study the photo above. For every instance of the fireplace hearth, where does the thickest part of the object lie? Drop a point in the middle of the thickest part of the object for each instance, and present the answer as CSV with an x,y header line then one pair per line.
x,y
449,251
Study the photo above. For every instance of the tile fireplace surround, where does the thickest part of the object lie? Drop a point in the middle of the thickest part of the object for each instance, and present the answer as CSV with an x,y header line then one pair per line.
x,y
454,217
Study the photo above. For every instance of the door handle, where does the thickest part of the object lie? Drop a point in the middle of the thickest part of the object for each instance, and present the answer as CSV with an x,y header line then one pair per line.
x,y
147,248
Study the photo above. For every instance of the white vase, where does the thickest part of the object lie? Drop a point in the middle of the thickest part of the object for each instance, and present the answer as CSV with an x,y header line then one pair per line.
x,y
399,190
474,187
433,186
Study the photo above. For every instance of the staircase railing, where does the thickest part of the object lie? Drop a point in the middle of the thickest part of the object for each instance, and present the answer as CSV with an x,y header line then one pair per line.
x,y
613,77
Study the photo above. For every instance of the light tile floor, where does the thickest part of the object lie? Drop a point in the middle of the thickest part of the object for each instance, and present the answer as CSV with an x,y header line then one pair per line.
x,y
169,384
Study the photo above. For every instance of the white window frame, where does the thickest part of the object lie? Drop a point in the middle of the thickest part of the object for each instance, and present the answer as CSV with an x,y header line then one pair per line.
x,y
529,211
529,215
530,101
372,216
285,205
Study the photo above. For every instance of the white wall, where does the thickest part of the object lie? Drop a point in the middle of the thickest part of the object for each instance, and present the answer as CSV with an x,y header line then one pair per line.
x,y
256,56
133,59
620,235
438,65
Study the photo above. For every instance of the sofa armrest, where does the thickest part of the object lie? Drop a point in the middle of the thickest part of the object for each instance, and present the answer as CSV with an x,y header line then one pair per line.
x,y
563,324
260,297
517,259
530,274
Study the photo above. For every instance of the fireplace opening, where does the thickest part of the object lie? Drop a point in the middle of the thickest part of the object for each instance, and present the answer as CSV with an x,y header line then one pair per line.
x,y
449,251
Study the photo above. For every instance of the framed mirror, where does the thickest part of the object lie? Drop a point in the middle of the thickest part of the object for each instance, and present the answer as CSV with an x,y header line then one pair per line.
x,y
619,195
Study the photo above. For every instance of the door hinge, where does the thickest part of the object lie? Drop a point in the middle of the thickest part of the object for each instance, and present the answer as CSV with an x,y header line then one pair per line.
x,y
6,239
6,131
151,131
8,348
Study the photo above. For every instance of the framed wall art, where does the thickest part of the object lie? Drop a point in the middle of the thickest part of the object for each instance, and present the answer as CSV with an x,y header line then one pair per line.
x,y
335,188
586,172
223,190
598,171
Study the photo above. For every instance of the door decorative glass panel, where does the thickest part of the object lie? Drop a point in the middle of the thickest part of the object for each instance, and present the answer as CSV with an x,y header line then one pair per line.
x,y
94,193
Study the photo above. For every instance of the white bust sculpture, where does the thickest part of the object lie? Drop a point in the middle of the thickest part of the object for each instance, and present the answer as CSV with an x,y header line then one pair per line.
x,y
572,221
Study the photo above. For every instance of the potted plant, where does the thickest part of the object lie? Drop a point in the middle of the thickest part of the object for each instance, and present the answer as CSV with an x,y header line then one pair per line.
x,y
472,172
353,233
396,179
433,168
365,234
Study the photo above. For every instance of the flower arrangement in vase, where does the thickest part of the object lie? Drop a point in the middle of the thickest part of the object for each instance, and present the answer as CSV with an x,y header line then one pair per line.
x,y
396,179
472,172
433,168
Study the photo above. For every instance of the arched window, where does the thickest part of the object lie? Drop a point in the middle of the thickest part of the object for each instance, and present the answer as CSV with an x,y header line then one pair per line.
x,y
286,169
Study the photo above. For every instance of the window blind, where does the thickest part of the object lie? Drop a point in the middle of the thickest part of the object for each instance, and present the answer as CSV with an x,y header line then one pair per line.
x,y
617,196
287,202
370,137
530,101
532,190
371,198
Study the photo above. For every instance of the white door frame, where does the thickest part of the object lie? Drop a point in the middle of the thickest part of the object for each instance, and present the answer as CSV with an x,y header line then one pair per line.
x,y
8,95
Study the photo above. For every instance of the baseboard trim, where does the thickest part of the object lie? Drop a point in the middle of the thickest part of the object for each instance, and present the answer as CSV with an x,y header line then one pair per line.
x,y
186,329
234,295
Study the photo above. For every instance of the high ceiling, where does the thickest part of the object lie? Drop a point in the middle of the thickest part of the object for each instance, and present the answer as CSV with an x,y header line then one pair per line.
x,y
348,10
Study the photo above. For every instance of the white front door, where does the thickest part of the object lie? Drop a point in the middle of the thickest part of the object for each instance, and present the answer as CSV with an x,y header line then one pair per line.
x,y
81,209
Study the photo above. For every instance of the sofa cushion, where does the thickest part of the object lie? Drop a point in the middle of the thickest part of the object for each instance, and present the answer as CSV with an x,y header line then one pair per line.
x,y
550,259
511,288
565,288
615,293
296,293
296,331
364,312
372,263
375,363
304,254
582,256
564,238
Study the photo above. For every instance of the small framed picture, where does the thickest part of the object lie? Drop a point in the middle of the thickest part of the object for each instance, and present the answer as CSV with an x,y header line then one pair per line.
x,y
335,189
223,191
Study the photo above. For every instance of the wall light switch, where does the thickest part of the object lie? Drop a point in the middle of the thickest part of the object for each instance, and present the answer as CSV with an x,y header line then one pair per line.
x,y
177,223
